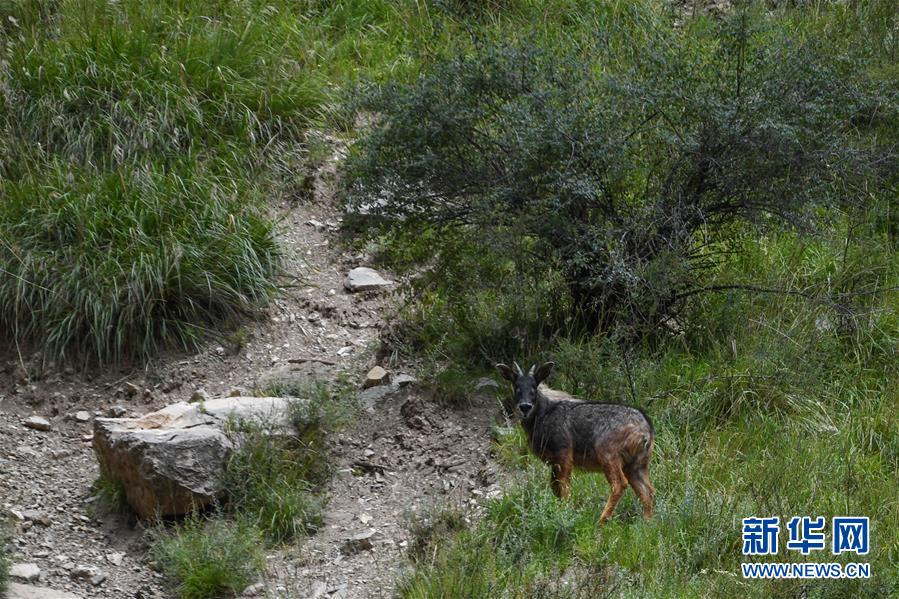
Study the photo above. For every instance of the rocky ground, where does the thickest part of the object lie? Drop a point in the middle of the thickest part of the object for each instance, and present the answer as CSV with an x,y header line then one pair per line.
x,y
405,453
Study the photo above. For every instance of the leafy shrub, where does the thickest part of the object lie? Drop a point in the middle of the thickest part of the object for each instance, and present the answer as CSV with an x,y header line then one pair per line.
x,y
628,177
209,558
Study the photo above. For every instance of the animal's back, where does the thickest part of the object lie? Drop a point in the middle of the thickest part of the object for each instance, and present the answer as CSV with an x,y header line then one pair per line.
x,y
597,431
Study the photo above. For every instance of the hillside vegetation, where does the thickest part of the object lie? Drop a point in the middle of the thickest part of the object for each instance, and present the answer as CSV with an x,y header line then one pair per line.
x,y
697,214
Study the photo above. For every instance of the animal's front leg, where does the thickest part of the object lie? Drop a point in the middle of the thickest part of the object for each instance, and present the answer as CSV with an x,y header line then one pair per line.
x,y
561,478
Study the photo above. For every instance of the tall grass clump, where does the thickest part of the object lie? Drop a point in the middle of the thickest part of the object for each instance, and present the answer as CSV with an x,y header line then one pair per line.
x,y
122,264
275,479
206,559
140,141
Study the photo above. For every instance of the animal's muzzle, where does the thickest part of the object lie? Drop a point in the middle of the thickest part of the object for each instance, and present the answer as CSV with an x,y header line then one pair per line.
x,y
525,408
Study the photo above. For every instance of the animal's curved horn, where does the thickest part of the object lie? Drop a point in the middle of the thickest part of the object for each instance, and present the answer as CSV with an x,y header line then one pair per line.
x,y
532,370
517,369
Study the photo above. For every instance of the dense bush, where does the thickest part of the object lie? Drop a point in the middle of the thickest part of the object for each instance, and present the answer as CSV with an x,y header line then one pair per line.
x,y
629,171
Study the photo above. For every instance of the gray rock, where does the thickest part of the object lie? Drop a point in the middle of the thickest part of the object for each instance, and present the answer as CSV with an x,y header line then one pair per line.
x,y
27,571
200,395
170,462
365,279
358,543
131,389
27,591
254,590
371,397
37,423
95,576
82,416
82,572
294,377
487,385
115,558
36,516
404,380
376,376
116,411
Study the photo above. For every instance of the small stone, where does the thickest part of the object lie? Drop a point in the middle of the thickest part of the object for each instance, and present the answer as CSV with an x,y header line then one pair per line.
x,y
99,578
116,411
364,518
200,395
365,279
254,590
376,376
236,392
404,380
37,423
82,416
115,558
486,384
220,351
318,589
28,572
37,517
87,573
358,543
131,389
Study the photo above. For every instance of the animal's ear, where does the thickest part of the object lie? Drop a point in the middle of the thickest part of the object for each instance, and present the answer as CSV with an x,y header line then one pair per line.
x,y
506,372
543,372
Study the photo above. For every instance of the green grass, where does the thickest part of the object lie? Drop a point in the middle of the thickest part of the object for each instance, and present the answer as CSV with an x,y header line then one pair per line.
x,y
274,494
769,405
110,496
209,558
142,146
5,538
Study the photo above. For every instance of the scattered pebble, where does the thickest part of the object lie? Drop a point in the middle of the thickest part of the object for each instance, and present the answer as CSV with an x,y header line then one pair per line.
x,y
37,423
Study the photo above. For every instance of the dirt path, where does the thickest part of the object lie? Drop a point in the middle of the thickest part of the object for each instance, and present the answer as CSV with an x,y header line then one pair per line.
x,y
403,455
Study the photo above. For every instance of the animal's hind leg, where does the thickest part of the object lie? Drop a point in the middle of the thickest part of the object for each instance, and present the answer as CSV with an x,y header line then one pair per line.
x,y
618,483
638,477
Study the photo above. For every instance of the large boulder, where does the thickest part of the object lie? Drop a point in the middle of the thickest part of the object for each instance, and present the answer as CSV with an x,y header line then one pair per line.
x,y
170,462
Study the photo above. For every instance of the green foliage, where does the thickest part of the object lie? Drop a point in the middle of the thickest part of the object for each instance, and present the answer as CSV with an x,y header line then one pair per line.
x,y
209,558
5,538
432,528
275,480
625,177
779,406
117,265
139,143
110,496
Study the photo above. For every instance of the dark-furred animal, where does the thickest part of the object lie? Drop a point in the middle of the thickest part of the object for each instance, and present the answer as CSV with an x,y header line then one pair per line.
x,y
566,432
